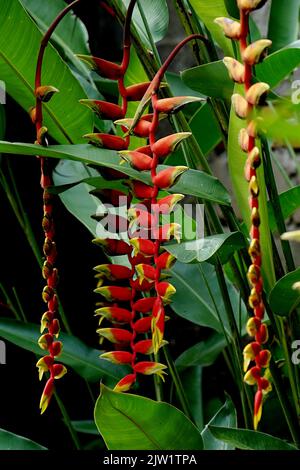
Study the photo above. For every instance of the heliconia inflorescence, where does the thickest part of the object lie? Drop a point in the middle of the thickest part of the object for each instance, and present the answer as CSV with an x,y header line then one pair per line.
x,y
254,353
136,298
50,326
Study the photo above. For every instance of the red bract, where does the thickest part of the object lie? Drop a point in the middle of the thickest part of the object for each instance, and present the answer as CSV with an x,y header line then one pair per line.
x,y
103,67
165,146
108,141
167,178
104,109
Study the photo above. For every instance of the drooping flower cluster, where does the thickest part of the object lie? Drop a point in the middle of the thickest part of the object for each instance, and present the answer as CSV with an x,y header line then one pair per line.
x,y
136,299
244,106
50,326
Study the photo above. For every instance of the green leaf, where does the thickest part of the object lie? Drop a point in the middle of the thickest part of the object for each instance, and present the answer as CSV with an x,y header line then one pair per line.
x,y
208,10
236,163
283,298
283,23
70,37
85,426
82,358
210,79
277,66
249,440
11,441
206,128
226,418
128,422
192,300
222,246
64,117
204,353
289,202
77,199
191,379
193,182
157,15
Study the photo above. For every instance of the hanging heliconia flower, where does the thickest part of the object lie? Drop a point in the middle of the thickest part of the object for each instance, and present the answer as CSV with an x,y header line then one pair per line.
x,y
138,294
242,72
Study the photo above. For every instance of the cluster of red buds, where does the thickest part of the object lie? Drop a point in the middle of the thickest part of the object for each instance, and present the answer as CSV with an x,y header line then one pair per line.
x,y
135,301
50,326
244,107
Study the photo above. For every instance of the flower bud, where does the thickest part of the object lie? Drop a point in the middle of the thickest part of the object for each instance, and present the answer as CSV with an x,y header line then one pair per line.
x,y
113,247
125,383
235,69
104,109
255,218
252,376
47,293
249,5
167,145
114,314
256,93
113,271
254,158
257,409
263,359
231,28
244,140
45,341
143,325
250,352
140,190
136,92
167,178
253,324
253,187
59,371
253,274
240,106
144,305
165,261
117,357
43,365
166,290
144,286
108,141
255,52
175,104
32,114
56,348
262,334
45,93
46,395
144,271
45,320
167,203
103,67
115,335
149,368
112,293
143,246
254,249
138,161
141,129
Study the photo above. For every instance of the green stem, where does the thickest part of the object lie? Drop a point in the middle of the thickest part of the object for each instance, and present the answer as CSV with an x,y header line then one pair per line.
x,y
67,422
178,384
275,202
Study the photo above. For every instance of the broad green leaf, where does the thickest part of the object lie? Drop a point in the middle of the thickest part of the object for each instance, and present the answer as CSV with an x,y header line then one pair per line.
x,y
70,37
77,199
193,182
82,358
210,79
85,427
191,379
131,422
277,66
204,353
157,15
289,202
206,249
225,417
283,298
249,440
208,10
11,441
206,128
65,118
192,300
283,23
236,164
